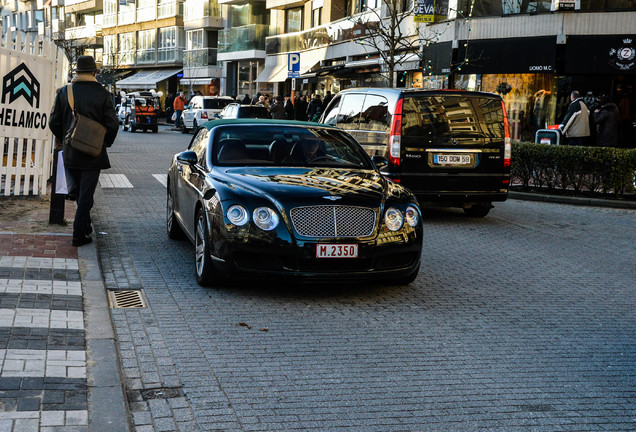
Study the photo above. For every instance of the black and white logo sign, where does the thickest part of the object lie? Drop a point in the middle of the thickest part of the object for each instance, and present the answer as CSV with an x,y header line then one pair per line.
x,y
623,57
21,82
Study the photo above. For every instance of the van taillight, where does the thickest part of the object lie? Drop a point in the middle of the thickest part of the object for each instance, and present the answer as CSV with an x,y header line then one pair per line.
x,y
507,142
395,138
204,114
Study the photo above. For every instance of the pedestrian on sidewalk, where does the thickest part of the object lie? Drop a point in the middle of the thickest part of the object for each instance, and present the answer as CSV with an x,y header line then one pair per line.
x,y
576,124
92,101
277,110
178,105
289,108
606,118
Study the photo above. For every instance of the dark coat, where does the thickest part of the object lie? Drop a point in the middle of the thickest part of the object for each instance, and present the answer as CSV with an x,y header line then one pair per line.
x,y
289,110
607,119
314,107
300,109
94,102
277,111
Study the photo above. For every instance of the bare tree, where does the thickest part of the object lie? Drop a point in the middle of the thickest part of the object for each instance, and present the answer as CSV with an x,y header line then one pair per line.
x,y
389,32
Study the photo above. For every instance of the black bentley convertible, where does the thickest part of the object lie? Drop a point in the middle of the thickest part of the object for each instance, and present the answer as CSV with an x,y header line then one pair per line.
x,y
269,198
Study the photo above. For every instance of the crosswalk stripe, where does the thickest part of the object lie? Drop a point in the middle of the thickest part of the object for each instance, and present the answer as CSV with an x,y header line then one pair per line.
x,y
114,181
42,318
42,363
161,178
17,286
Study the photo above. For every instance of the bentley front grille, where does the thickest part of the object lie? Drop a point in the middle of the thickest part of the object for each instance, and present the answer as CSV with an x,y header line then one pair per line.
x,y
333,221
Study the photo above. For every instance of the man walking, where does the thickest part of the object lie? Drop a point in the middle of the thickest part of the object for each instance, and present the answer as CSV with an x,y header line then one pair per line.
x,y
178,105
93,101
576,124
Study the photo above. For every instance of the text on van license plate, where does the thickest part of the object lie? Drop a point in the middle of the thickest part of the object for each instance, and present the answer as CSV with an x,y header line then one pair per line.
x,y
448,159
337,251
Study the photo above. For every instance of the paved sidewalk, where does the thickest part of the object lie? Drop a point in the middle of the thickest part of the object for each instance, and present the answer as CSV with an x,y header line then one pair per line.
x,y
59,369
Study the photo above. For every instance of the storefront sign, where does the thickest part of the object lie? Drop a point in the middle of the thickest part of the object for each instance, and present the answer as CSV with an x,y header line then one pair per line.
x,y
25,101
430,10
600,54
562,5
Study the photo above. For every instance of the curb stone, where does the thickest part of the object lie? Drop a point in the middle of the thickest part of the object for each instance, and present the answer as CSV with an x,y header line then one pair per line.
x,y
595,202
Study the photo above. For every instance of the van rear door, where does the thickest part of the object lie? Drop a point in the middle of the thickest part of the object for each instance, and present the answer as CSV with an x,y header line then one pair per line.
x,y
452,143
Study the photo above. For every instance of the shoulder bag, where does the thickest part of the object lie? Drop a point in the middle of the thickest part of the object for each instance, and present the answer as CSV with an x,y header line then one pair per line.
x,y
85,135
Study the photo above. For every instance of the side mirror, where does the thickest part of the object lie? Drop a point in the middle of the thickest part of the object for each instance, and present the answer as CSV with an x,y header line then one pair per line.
x,y
188,157
379,161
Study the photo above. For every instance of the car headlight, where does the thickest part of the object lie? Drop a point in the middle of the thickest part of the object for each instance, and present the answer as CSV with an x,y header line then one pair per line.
x,y
393,219
265,218
412,216
237,215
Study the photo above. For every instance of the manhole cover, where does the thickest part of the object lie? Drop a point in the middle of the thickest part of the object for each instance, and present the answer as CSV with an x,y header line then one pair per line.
x,y
126,299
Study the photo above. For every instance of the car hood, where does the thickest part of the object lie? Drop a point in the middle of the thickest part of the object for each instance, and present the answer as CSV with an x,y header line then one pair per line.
x,y
304,185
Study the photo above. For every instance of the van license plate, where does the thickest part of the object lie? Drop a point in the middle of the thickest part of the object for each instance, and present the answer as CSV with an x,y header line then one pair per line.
x,y
336,251
452,159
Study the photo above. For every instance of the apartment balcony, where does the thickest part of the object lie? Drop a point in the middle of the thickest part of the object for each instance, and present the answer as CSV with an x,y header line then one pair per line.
x,y
201,62
126,17
168,9
201,14
82,5
89,34
243,42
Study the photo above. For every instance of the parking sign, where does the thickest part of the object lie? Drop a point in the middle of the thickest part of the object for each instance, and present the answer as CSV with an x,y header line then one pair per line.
x,y
293,65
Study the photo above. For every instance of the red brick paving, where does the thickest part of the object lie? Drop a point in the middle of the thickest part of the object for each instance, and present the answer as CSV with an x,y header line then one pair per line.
x,y
37,245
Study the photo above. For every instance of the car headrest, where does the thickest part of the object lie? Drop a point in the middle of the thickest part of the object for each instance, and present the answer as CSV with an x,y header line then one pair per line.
x,y
232,149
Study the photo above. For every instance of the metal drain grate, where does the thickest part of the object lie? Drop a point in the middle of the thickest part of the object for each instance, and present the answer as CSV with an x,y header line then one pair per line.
x,y
127,299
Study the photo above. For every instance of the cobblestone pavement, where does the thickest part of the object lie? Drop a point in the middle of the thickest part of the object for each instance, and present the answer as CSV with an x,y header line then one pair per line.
x,y
521,321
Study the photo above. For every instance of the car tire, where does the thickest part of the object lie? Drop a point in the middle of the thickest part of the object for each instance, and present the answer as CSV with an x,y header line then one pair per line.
x,y
203,265
125,124
155,129
478,211
184,129
172,226
195,126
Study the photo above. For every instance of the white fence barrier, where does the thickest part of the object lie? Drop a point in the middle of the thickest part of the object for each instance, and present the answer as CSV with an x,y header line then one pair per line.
x,y
31,71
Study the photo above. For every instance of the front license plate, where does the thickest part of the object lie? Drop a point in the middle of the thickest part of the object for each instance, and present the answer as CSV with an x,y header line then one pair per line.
x,y
337,251
452,159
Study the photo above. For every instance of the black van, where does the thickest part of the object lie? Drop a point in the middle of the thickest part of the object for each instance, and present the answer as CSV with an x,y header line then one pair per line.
x,y
450,147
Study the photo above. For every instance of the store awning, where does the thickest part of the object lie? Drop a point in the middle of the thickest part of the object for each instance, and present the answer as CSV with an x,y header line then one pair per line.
x,y
408,62
273,73
363,63
146,79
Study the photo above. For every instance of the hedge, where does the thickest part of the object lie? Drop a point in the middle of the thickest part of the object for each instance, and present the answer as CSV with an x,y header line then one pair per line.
x,y
573,168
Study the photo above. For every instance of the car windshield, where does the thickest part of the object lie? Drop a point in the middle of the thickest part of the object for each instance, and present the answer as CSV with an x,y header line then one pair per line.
x,y
216,103
258,145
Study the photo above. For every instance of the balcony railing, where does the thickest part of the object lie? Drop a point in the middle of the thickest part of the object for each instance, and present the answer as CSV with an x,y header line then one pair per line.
x,y
200,57
126,17
146,13
110,20
146,56
249,37
170,55
83,32
197,9
167,9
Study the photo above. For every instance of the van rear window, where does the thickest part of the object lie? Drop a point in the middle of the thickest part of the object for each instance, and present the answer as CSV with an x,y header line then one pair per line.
x,y
216,103
452,115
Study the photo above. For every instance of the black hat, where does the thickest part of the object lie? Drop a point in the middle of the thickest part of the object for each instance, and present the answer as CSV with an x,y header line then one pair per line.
x,y
86,63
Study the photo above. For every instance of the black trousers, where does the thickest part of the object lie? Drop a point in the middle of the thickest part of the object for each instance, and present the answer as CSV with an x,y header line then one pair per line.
x,y
86,183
